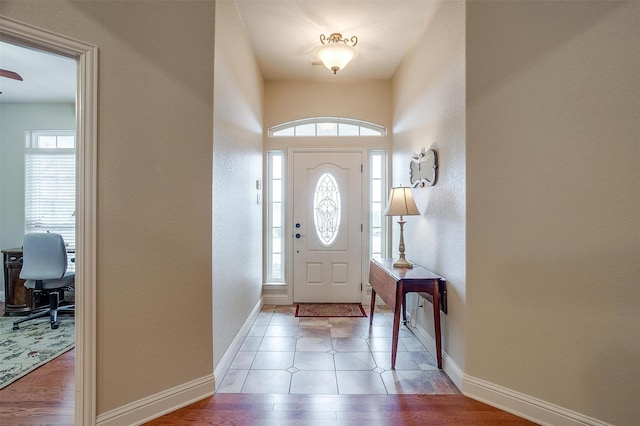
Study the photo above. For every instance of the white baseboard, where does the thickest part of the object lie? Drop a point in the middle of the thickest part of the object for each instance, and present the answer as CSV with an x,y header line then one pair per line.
x,y
525,406
229,355
165,402
276,299
154,406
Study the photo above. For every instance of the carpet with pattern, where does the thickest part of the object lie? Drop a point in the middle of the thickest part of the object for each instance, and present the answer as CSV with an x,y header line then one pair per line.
x,y
330,310
33,345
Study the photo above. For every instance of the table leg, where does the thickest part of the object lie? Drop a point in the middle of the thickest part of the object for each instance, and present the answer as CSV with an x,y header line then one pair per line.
x,y
396,324
436,322
373,306
404,308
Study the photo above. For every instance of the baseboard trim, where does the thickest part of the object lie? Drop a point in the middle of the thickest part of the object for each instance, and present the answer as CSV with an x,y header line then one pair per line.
x,y
229,355
525,406
165,402
154,406
276,299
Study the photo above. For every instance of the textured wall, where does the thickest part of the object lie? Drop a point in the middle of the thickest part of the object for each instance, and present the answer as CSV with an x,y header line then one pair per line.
x,y
428,105
553,231
155,120
237,216
364,100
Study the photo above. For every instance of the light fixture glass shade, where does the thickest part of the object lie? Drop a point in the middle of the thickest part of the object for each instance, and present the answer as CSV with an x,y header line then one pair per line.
x,y
401,202
336,56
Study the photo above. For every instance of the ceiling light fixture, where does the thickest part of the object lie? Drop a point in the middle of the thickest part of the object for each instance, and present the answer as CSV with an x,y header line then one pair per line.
x,y
336,52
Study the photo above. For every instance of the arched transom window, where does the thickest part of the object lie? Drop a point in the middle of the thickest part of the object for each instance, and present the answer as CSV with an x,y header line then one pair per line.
x,y
327,126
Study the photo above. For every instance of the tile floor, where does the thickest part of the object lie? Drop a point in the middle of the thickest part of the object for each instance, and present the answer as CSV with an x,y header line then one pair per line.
x,y
283,354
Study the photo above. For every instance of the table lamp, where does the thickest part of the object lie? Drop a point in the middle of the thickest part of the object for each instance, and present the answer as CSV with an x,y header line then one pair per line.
x,y
401,204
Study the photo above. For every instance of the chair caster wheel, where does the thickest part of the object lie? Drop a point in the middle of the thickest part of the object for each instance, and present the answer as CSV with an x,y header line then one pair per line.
x,y
16,327
54,325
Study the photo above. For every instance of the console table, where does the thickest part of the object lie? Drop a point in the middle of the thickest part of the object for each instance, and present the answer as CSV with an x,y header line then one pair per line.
x,y
393,284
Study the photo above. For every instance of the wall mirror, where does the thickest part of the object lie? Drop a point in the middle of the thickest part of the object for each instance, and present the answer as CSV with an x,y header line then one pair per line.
x,y
424,168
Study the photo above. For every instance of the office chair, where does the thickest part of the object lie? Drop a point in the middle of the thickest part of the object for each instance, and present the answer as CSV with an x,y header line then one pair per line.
x,y
44,267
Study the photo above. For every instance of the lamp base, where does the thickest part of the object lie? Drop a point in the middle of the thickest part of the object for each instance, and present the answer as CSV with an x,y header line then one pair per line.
x,y
402,263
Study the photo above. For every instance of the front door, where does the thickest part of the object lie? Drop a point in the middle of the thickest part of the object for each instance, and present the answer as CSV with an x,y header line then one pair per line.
x,y
327,231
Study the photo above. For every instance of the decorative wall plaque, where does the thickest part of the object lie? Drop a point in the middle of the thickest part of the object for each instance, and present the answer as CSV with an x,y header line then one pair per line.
x,y
424,168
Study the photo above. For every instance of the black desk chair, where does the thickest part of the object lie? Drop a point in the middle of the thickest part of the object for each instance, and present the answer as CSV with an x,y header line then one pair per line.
x,y
44,266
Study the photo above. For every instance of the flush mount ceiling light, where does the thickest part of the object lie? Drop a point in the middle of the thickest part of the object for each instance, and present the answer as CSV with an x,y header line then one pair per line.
x,y
336,52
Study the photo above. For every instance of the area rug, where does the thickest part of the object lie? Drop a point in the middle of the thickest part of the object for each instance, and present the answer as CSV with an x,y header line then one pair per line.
x,y
330,310
33,345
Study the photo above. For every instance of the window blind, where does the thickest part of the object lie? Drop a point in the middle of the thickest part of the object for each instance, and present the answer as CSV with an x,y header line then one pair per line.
x,y
50,190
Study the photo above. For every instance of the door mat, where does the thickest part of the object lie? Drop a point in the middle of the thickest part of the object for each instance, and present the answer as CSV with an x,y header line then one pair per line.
x,y
330,310
33,345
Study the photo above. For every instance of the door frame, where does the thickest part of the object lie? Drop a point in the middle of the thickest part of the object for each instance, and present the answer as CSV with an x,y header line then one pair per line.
x,y
364,213
86,57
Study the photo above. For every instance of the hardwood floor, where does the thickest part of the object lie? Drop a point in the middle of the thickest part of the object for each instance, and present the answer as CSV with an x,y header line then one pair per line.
x,y
338,410
46,397
43,397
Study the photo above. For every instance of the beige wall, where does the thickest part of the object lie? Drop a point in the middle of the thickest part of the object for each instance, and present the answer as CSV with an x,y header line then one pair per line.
x,y
367,100
155,120
553,224
237,215
428,105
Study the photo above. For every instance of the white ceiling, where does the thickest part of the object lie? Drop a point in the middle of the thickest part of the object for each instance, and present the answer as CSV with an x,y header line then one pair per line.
x,y
46,77
283,35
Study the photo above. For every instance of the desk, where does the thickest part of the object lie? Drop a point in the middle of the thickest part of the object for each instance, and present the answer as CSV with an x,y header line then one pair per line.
x,y
18,300
393,284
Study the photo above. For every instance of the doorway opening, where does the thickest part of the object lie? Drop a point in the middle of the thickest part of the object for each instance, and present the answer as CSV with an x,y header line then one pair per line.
x,y
85,56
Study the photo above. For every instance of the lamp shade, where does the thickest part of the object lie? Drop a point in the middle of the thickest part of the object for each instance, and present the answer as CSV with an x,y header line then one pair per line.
x,y
401,202
336,56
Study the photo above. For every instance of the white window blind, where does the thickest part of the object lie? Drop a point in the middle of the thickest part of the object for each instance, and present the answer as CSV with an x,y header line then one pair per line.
x,y
50,184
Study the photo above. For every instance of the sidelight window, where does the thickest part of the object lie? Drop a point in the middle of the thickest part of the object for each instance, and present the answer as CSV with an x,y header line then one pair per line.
x,y
275,217
378,190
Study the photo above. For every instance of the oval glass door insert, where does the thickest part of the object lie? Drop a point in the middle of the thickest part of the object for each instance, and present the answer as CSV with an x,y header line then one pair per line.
x,y
326,209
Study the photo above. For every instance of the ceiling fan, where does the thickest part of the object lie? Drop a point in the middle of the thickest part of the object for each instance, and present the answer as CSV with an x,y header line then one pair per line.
x,y
10,74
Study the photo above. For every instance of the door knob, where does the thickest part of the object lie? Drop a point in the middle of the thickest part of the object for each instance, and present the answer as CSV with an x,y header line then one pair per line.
x,y
297,225
298,235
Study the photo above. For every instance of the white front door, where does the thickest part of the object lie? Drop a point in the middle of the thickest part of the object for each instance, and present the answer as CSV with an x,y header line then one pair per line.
x,y
327,227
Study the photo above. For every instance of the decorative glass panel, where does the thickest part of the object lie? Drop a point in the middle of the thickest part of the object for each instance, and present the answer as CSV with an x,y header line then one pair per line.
x,y
327,126
306,129
290,131
327,129
326,206
348,130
